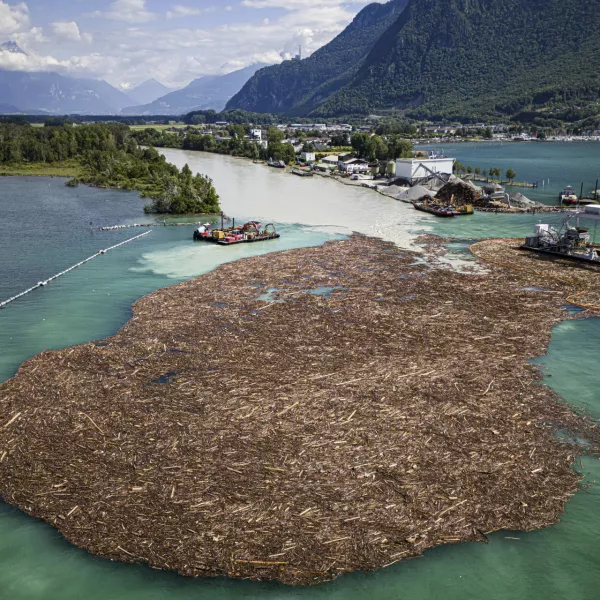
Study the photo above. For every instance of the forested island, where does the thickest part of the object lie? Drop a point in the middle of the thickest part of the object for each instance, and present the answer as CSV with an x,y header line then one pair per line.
x,y
107,156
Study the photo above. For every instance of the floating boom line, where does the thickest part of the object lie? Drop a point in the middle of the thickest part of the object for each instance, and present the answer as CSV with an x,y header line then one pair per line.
x,y
79,264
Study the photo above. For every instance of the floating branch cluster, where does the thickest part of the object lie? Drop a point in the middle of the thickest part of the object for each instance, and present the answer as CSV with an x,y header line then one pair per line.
x,y
298,416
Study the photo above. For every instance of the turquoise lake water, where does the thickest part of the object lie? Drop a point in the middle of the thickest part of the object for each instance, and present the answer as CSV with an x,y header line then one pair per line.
x,y
46,228
554,165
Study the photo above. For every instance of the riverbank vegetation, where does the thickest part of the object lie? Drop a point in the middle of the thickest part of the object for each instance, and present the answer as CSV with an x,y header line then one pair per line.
x,y
68,168
108,156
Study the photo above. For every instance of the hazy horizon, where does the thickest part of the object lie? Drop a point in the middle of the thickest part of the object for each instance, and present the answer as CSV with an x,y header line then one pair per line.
x,y
127,42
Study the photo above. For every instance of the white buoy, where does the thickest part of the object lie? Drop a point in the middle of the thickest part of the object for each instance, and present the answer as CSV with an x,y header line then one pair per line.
x,y
47,281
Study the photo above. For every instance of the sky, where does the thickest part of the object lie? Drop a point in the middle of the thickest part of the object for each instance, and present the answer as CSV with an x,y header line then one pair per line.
x,y
127,42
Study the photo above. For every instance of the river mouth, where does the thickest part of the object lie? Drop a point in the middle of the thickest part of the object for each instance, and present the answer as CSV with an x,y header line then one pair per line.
x,y
94,314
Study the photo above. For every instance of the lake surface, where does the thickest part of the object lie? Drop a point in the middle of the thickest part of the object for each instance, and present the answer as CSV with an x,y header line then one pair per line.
x,y
554,165
46,228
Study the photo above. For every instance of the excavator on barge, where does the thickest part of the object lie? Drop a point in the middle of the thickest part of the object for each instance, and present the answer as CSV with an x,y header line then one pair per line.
x,y
570,241
242,234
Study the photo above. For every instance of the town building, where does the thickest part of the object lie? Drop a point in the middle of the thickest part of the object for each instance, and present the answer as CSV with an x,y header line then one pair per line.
x,y
308,157
354,165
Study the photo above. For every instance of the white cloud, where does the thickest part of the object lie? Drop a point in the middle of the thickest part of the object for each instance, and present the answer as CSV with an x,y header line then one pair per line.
x,y
130,11
66,30
13,18
298,4
179,11
131,52
22,62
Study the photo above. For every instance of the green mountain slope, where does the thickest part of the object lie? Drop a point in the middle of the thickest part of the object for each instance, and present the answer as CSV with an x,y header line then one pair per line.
x,y
445,58
296,87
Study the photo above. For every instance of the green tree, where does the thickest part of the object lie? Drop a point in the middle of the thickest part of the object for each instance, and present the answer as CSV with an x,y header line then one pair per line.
x,y
274,135
379,149
510,175
399,148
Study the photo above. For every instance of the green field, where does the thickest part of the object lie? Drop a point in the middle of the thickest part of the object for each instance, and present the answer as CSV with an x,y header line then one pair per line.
x,y
158,127
63,169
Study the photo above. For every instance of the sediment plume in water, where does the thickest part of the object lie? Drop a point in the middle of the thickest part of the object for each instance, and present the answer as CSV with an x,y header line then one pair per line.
x,y
372,407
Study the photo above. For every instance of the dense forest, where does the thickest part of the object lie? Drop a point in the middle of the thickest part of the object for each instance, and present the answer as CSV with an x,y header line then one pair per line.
x,y
109,156
454,60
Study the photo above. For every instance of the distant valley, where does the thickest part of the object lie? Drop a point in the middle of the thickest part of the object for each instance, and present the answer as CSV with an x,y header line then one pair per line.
x,y
209,92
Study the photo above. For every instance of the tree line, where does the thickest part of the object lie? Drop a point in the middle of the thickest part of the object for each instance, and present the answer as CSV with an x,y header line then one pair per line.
x,y
375,147
459,168
233,142
110,157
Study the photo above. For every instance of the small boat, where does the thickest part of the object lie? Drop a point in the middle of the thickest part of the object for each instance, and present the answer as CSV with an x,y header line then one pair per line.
x,y
568,196
277,164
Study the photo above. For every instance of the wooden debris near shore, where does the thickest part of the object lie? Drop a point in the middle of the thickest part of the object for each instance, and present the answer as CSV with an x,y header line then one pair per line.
x,y
391,410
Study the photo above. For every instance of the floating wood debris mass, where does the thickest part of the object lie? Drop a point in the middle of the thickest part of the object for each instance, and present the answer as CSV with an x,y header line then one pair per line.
x,y
391,410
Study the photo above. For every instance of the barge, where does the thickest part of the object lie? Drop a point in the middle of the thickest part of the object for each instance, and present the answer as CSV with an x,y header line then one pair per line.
x,y
443,210
570,241
302,172
243,234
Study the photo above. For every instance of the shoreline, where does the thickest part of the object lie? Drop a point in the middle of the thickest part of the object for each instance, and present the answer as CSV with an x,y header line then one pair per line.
x,y
288,171
332,392
69,169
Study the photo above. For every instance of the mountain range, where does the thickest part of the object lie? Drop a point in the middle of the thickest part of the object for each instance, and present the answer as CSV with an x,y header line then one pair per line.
x,y
297,87
45,92
52,93
211,91
148,92
56,94
444,58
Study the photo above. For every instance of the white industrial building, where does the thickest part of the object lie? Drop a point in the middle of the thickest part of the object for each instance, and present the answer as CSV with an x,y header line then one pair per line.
x,y
415,169
354,165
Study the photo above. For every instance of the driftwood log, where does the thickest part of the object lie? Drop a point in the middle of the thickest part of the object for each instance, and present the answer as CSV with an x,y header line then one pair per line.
x,y
369,407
